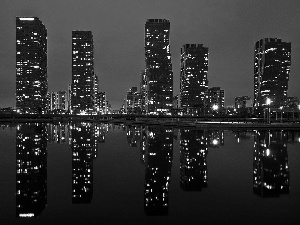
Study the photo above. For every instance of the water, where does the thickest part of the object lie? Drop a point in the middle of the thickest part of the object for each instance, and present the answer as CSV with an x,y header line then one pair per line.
x,y
83,173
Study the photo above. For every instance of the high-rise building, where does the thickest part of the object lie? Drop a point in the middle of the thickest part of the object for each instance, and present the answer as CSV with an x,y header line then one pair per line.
x,y
96,93
31,65
143,91
102,102
272,62
58,101
83,92
193,76
158,67
132,102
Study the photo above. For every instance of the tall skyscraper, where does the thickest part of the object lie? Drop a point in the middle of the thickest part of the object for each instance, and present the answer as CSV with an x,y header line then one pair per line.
x,y
272,62
158,66
82,99
193,76
31,65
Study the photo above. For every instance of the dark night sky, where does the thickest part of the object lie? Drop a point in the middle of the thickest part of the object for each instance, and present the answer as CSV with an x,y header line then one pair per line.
x,y
229,28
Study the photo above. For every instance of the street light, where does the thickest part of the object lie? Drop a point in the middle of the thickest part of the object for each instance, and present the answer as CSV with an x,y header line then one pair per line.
x,y
268,102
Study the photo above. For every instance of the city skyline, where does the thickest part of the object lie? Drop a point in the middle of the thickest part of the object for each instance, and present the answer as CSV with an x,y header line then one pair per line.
x,y
230,36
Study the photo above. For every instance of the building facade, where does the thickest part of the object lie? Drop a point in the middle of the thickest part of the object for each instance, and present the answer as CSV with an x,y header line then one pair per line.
x,y
132,102
243,102
272,62
193,76
31,65
58,101
83,80
143,91
216,98
158,67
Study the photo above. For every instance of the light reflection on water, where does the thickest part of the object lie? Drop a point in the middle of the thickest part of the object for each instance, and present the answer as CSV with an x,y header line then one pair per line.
x,y
135,173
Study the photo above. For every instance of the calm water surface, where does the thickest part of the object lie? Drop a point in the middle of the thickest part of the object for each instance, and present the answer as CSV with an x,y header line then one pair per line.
x,y
83,173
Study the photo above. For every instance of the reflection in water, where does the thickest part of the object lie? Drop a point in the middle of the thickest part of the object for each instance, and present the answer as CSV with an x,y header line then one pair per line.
x,y
84,149
133,134
31,156
193,152
215,138
143,142
271,175
58,133
158,159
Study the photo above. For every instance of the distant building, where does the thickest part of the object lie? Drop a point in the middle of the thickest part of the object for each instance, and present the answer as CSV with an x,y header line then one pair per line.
x,y
31,65
243,102
193,77
102,102
83,80
272,62
158,67
176,102
143,91
293,102
132,105
216,98
96,93
58,101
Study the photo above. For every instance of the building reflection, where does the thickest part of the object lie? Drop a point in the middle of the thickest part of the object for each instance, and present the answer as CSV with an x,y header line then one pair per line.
x,y
133,135
193,153
57,133
143,142
242,135
84,146
271,176
31,177
215,138
158,161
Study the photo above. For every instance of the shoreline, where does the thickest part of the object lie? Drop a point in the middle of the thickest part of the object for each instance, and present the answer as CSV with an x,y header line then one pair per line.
x,y
168,123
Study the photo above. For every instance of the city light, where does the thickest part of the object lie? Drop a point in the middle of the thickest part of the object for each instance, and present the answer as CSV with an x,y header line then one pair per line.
x,y
215,107
215,142
27,19
268,101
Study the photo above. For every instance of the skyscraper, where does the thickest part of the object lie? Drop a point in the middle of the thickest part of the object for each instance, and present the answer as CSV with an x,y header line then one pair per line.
x,y
193,76
158,67
132,101
143,91
31,65
272,62
82,99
